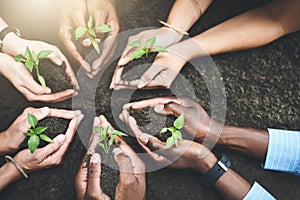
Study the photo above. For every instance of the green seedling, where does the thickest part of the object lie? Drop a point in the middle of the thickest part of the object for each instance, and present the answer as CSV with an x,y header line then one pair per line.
x,y
106,140
81,31
146,48
175,131
31,60
35,133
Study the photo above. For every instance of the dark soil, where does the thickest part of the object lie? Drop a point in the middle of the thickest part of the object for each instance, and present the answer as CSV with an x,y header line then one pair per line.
x,y
262,90
55,76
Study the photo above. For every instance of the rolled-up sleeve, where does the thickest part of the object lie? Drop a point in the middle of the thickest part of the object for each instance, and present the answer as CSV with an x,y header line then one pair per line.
x,y
283,151
257,192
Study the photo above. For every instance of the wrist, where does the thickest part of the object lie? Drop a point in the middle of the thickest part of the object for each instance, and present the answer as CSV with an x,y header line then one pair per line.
x,y
8,174
175,35
11,44
205,162
8,145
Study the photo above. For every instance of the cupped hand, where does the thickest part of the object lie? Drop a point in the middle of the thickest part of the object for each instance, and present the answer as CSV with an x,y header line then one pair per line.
x,y
187,154
164,37
196,120
52,154
160,74
23,81
15,133
75,14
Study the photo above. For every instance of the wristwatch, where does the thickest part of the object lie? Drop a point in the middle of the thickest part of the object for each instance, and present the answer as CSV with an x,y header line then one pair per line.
x,y
6,31
216,172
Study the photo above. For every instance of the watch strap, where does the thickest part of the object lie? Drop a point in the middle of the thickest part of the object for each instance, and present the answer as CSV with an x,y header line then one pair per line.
x,y
216,172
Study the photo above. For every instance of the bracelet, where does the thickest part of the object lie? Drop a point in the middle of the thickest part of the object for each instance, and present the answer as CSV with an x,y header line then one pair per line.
x,y
6,31
173,27
216,172
19,168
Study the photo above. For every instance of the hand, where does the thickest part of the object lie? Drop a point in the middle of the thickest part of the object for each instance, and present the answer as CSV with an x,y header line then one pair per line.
x,y
14,135
23,81
187,154
132,184
196,120
74,15
161,73
50,155
14,46
164,37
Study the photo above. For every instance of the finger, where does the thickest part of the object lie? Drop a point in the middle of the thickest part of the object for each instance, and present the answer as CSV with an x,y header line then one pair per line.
x,y
35,88
125,165
66,114
94,139
81,181
169,109
126,55
149,75
116,76
70,73
52,98
93,181
99,19
58,155
154,102
44,153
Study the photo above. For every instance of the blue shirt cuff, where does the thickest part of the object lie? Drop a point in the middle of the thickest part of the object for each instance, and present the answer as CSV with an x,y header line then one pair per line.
x,y
257,192
283,151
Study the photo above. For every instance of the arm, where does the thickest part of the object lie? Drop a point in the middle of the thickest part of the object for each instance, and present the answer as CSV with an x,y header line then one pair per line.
x,y
8,175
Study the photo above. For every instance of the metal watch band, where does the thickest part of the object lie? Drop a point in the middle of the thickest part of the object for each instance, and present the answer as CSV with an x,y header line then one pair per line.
x,y
216,172
7,30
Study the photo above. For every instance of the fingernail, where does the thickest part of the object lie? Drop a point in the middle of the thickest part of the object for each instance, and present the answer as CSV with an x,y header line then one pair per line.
x,y
98,40
95,158
45,109
48,90
141,84
77,112
86,42
159,108
117,151
96,121
144,139
122,61
61,138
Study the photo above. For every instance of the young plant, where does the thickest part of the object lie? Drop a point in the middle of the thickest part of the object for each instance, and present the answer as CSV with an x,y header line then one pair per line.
x,y
107,140
81,31
35,133
31,60
175,131
146,48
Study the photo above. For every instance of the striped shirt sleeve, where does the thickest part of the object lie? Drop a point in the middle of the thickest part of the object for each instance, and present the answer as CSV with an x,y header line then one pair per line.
x,y
283,151
257,192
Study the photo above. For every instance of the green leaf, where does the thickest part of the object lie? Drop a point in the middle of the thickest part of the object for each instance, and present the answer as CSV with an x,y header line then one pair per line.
x,y
101,145
97,129
20,58
32,120
170,142
160,49
46,138
28,53
172,129
39,130
90,22
44,53
104,28
106,130
29,64
116,132
92,32
95,45
28,134
138,53
150,42
80,32
42,80
136,43
111,140
33,143
179,122
177,134
163,130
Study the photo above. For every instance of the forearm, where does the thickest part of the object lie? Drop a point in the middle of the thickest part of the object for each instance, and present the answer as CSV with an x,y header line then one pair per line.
x,y
253,142
5,146
8,174
185,13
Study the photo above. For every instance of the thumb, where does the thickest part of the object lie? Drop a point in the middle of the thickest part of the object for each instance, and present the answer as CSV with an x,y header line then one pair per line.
x,y
150,74
171,108
93,181
36,88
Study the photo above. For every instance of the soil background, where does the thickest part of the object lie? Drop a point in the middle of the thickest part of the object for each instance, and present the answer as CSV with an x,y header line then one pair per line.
x,y
261,85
